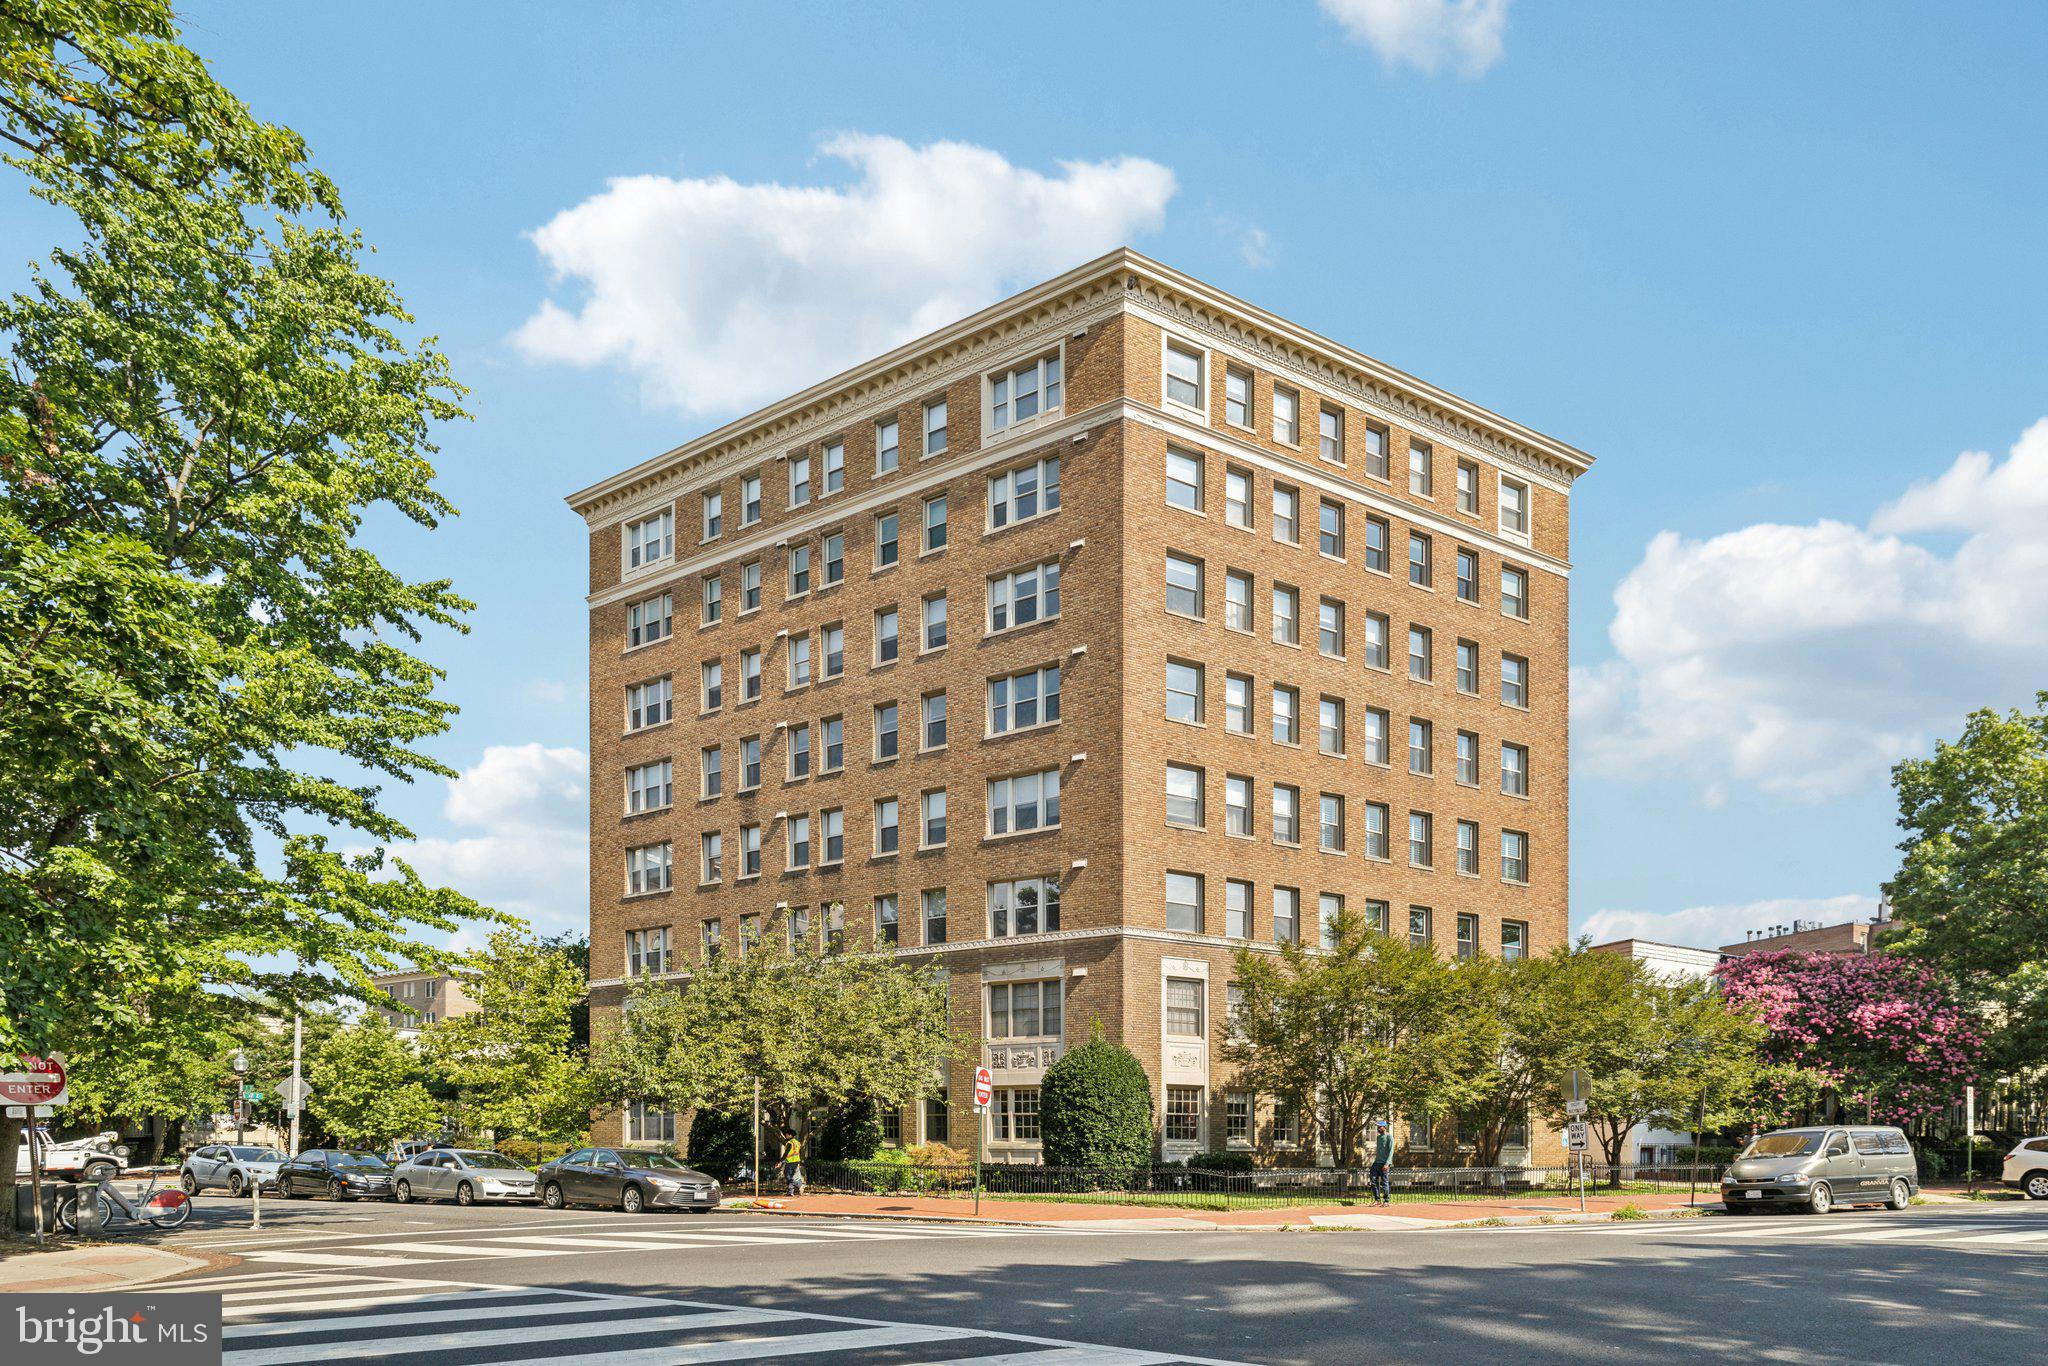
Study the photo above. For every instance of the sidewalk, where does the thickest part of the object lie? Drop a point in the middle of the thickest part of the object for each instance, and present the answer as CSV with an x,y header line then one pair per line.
x,y
101,1266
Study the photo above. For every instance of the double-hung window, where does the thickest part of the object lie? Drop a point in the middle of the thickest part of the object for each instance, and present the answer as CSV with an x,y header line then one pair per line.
x,y
932,818
1514,680
832,835
935,622
1286,814
1468,488
651,539
1286,615
800,660
832,645
1377,740
1420,665
932,710
1421,562
1184,366
1183,691
649,621
649,704
1468,575
1024,392
887,551
835,466
710,772
1183,796
1376,445
1237,397
714,515
1514,770
887,737
750,674
1286,514
1286,416
1237,805
1514,509
888,826
1028,905
1421,478
1376,830
1022,493
935,427
1237,498
835,558
712,592
887,643
1330,628
1023,596
651,786
1183,480
750,500
1286,715
1020,701
1514,856
1237,600
1024,1010
1029,801
1330,823
750,586
1376,538
1330,529
1186,1010
1514,592
935,523
799,480
1421,839
1286,915
1183,585
1468,848
888,451
1468,758
1330,726
1330,435
647,868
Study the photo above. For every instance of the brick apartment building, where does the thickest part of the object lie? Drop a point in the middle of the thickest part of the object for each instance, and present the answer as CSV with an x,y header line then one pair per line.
x,y
416,999
1080,644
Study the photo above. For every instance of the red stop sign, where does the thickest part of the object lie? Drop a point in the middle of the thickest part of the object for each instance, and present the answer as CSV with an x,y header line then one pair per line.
x,y
39,1082
984,1087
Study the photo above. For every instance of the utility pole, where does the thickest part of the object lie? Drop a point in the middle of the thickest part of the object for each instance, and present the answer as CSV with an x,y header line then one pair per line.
x,y
757,1139
298,1086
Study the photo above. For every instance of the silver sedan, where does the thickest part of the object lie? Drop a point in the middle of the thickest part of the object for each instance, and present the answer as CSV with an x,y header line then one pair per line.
x,y
464,1175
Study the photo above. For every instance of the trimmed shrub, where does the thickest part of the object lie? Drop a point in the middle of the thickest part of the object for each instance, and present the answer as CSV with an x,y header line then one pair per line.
x,y
721,1144
852,1132
1095,1108
1225,1160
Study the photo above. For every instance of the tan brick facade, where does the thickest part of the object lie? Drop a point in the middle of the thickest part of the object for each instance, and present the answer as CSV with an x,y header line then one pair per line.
x,y
1113,849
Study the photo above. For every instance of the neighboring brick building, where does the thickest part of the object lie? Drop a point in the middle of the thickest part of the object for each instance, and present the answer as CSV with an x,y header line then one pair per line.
x,y
419,999
1191,528
1810,936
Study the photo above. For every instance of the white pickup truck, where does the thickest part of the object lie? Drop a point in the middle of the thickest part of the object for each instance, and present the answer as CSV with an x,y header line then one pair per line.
x,y
99,1157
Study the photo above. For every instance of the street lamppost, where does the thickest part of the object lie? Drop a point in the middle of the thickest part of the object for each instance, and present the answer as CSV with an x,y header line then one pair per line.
x,y
241,1090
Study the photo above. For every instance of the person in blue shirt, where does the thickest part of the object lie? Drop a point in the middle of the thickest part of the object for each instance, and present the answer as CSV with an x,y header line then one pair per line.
x,y
1382,1159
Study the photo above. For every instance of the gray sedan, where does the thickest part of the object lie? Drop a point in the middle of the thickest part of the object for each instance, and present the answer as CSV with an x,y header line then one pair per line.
x,y
464,1175
232,1166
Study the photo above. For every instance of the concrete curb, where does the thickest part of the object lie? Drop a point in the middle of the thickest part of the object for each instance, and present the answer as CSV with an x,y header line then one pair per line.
x,y
903,1218
102,1267
1191,1223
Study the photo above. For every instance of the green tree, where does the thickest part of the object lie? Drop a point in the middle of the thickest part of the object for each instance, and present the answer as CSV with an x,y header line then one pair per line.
x,y
367,1088
205,398
1971,895
178,1068
512,1063
1371,1027
852,1131
1095,1108
721,1144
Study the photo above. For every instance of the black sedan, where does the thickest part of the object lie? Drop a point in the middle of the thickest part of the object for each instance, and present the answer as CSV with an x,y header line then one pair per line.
x,y
336,1173
627,1179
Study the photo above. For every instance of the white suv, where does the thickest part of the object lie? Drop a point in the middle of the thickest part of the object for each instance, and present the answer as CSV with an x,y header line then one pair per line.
x,y
2026,1167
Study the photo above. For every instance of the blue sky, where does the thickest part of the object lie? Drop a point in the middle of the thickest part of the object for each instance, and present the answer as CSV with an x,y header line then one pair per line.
x,y
1777,266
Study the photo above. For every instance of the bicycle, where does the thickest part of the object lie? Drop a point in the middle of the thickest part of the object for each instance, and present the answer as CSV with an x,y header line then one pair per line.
x,y
167,1208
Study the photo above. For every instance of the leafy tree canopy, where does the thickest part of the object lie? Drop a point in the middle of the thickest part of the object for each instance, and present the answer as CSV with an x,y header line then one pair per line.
x,y
513,1062
367,1087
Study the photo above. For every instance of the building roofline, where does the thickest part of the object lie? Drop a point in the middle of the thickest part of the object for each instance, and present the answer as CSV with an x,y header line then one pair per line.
x,y
1137,266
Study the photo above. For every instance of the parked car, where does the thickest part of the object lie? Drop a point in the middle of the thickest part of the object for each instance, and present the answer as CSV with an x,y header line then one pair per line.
x,y
405,1152
99,1157
2026,1167
337,1173
627,1178
230,1165
1820,1168
464,1175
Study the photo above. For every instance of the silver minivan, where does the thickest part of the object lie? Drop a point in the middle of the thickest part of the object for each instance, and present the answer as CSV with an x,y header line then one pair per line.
x,y
1821,1168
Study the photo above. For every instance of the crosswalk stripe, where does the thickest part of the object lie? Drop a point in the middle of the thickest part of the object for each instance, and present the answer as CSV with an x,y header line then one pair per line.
x,y
460,1249
756,1348
1065,1356
466,1310
427,1344
600,1244
2007,1238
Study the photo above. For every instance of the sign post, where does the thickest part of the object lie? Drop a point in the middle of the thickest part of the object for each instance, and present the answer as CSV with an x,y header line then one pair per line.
x,y
1970,1138
1577,1088
984,1091
39,1086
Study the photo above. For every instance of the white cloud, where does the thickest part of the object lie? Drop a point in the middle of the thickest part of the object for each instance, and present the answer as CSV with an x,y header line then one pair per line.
x,y
530,855
1256,247
1429,35
1709,927
552,691
720,294
1805,660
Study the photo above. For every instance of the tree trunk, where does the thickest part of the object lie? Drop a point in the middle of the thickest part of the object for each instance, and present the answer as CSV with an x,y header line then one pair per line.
x,y
10,1143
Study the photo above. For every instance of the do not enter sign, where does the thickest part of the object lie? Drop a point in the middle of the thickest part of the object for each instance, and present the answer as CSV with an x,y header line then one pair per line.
x,y
38,1081
984,1088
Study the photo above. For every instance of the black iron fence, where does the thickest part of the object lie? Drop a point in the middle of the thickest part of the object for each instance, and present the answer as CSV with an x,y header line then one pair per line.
x,y
1179,1187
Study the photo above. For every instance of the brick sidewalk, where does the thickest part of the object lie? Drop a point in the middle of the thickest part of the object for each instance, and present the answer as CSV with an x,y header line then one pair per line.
x,y
102,1266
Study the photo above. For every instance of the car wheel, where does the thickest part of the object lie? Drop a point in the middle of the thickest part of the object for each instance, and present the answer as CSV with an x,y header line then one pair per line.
x,y
188,1183
551,1196
631,1201
465,1194
403,1194
237,1186
336,1190
1822,1199
2036,1185
96,1172
1901,1194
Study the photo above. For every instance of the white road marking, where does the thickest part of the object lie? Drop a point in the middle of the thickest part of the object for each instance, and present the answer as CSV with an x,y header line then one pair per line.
x,y
755,1348
427,1344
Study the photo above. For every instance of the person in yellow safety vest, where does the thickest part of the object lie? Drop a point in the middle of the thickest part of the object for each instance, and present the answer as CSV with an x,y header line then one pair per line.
x,y
792,1165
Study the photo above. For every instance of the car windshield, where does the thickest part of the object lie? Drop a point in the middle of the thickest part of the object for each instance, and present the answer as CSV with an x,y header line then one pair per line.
x,y
657,1161
1783,1145
370,1160
257,1154
492,1162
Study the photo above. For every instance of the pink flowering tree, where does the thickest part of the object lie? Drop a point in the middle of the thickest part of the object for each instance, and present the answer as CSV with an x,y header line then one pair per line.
x,y
1886,1034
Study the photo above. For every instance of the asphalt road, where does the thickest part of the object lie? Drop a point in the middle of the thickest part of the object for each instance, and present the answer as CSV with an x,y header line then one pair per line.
x,y
345,1282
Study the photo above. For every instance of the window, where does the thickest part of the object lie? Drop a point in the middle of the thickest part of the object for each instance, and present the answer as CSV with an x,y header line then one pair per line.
x,y
1183,480
1421,481
1237,704
1330,823
1330,435
1237,498
799,835
1514,509
1237,600
1023,596
1418,926
1237,909
649,704
799,480
935,427
1378,646
1514,856
711,772
1468,758
800,750
1330,529
1285,1126
1183,796
647,952
750,932
935,622
1421,566
713,597
1286,814
750,500
1237,805
750,763
1184,902
935,523
750,586
651,539
932,718
1330,628
1030,801
1023,393
711,938
1419,665
834,466
886,644
888,826
887,531
1377,536
1183,691
750,852
1330,725
1183,1114
1514,770
1468,667
1286,416
832,831
1514,592
1286,715
647,868
1514,940
937,1126
799,926
1286,515
1468,847
832,644
835,558
1378,736
714,516
1468,936
835,926
1237,1118
1329,908
800,661
1286,915
932,818
1185,1007
1286,615
1022,700
832,743
1016,1114
1237,397
1468,575
1015,495
887,447
888,930
933,904
1421,747
1029,905
711,675
1184,376
649,621
1514,680
1183,585
750,675
1376,916
1421,839
885,731
1377,444
1376,830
